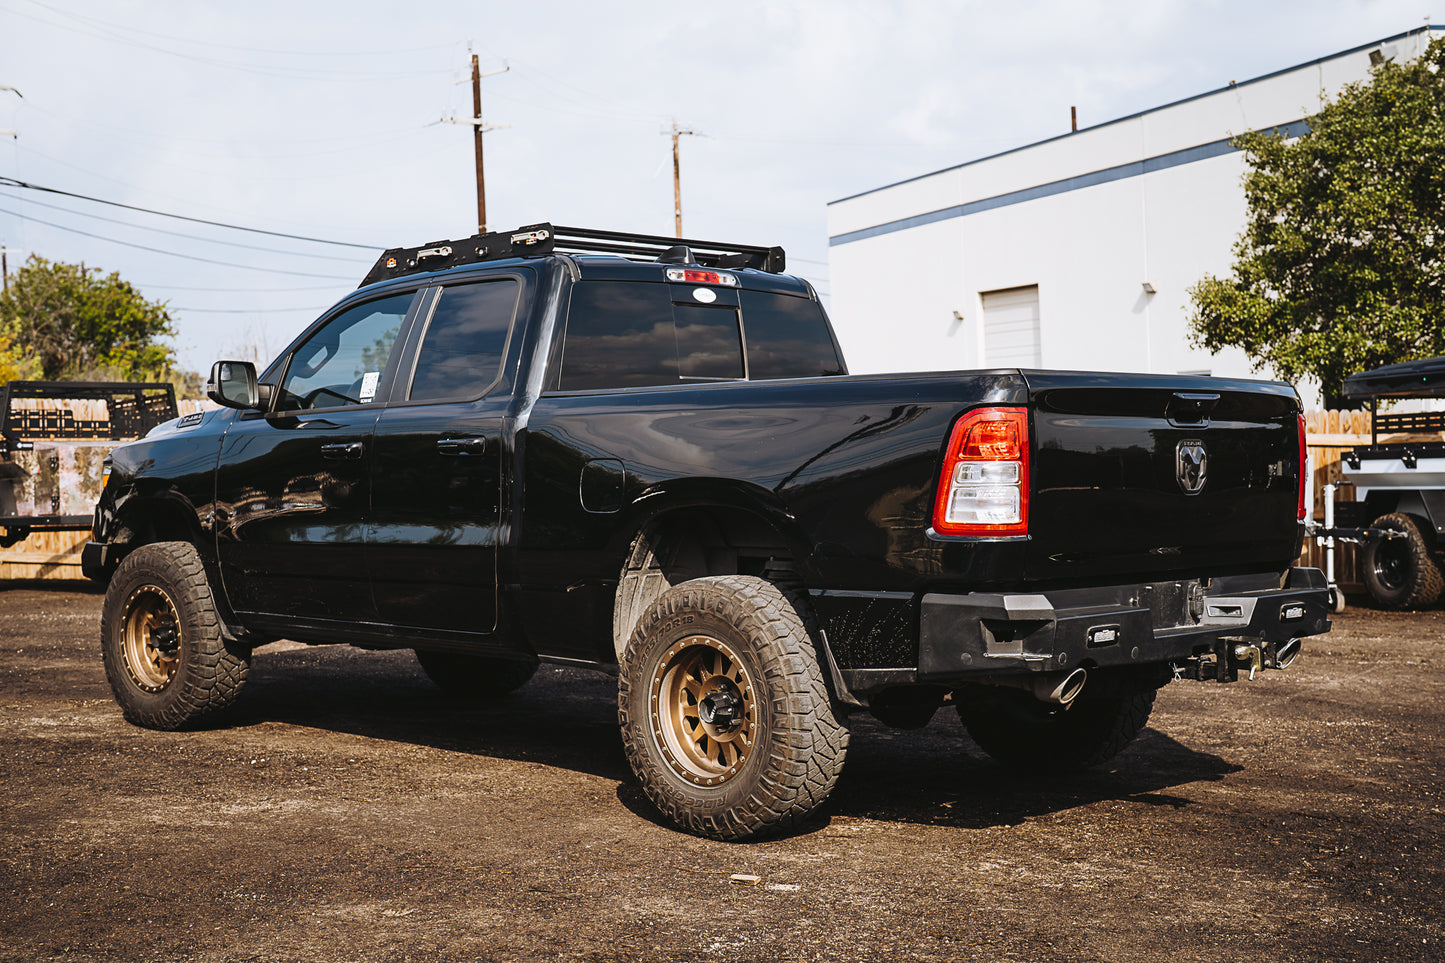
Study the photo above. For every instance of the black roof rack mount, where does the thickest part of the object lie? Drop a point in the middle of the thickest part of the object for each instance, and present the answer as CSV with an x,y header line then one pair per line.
x,y
538,240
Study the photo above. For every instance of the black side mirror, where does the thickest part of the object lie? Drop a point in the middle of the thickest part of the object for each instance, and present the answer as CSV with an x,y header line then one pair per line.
x,y
233,384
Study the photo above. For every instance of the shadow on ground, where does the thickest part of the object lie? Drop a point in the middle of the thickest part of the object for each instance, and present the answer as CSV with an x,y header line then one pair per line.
x,y
566,718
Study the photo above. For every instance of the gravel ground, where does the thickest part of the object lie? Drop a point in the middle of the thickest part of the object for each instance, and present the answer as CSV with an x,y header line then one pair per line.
x,y
350,813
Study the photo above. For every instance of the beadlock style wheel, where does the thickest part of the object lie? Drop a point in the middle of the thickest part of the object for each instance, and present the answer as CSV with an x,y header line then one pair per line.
x,y
725,717
167,659
151,638
703,710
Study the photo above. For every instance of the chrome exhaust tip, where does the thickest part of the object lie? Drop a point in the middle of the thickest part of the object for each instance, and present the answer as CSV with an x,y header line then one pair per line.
x,y
1060,687
1287,652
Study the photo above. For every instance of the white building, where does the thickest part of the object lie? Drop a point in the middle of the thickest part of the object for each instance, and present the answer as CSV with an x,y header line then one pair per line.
x,y
1076,252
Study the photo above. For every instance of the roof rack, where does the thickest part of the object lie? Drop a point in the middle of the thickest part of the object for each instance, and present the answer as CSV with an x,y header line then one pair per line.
x,y
539,240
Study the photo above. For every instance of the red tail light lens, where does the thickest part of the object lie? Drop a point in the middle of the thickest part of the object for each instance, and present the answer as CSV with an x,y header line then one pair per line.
x,y
983,488
1304,464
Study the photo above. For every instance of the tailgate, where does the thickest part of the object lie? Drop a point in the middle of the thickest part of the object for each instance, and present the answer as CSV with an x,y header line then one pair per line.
x,y
1116,463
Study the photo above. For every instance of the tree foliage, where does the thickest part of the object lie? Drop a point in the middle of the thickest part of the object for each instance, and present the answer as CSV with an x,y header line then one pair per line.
x,y
68,322
1340,265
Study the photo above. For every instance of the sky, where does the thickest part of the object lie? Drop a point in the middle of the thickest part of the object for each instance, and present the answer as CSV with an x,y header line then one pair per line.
x,y
328,120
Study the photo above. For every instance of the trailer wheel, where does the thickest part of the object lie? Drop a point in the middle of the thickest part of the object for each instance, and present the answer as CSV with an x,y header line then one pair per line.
x,y
1025,734
165,657
724,713
1400,573
474,678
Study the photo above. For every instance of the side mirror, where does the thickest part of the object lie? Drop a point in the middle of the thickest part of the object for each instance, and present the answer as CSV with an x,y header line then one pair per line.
x,y
233,384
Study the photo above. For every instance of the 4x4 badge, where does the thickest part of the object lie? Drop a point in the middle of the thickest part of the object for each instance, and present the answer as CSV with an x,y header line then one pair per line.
x,y
1191,463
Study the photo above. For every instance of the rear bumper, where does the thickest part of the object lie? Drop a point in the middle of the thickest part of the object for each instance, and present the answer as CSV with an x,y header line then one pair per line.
x,y
966,635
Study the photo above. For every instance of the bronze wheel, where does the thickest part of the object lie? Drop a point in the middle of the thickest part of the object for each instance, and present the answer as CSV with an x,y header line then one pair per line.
x,y
167,658
725,717
702,711
151,638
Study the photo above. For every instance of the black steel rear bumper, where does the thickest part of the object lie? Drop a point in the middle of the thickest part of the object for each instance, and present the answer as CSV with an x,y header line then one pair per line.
x,y
963,635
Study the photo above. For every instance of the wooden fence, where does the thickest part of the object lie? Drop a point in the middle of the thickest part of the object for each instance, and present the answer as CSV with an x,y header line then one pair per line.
x,y
1328,435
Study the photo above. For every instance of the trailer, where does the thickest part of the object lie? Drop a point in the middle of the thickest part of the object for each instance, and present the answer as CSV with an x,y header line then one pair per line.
x,y
54,439
1398,515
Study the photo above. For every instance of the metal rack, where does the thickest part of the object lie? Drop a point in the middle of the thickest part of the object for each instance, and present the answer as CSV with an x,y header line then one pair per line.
x,y
539,240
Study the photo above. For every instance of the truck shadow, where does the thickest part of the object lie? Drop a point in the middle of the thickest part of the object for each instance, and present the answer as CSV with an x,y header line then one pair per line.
x,y
567,718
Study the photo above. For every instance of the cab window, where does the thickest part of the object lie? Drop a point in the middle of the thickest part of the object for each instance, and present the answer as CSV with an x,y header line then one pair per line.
x,y
344,361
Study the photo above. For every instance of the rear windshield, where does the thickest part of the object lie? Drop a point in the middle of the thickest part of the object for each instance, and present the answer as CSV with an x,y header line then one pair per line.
x,y
626,334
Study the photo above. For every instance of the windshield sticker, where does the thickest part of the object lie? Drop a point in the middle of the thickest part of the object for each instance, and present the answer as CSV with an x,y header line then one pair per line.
x,y
705,295
368,385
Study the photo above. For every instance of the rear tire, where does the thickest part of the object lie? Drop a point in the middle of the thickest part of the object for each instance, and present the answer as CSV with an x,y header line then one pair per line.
x,y
1028,735
1401,573
475,678
166,659
724,713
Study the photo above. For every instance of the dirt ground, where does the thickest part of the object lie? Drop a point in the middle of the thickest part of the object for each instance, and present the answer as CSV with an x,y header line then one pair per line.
x,y
350,813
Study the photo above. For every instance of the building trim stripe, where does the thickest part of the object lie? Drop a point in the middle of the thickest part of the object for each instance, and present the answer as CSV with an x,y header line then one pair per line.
x,y
1318,61
1109,174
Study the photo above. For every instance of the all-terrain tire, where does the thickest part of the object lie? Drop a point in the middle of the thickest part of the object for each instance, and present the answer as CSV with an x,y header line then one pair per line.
x,y
167,660
725,716
1028,735
1400,573
474,678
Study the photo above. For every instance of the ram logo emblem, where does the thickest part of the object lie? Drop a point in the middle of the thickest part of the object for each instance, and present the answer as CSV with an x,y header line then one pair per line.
x,y
1191,463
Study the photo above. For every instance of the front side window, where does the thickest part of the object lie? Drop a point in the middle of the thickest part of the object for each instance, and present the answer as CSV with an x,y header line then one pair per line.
x,y
343,362
461,353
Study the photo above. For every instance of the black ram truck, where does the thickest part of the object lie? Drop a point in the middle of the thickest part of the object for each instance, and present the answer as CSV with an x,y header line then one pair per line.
x,y
645,456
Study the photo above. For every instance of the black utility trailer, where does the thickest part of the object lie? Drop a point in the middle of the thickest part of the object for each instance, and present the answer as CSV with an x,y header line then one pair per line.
x,y
54,438
1398,514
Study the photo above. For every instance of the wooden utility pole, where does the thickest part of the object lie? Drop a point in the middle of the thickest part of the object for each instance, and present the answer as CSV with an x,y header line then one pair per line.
x,y
677,179
478,129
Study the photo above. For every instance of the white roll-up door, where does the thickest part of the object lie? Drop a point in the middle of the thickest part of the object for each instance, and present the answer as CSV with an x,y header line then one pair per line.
x,y
1011,328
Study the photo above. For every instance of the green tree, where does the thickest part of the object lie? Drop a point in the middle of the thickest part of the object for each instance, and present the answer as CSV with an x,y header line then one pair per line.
x,y
1340,265
72,323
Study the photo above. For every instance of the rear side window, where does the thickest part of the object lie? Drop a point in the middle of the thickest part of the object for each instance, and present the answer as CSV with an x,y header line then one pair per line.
x,y
461,352
628,334
787,337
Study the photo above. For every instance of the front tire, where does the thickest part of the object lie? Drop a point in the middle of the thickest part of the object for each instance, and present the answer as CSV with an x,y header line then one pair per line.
x,y
1400,573
165,656
725,717
1027,735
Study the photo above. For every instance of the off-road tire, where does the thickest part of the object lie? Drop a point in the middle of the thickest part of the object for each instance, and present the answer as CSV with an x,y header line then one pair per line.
x,y
474,678
168,663
1027,735
746,644
1400,573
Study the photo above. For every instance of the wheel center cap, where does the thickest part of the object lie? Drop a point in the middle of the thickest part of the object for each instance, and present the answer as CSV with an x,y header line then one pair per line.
x,y
722,709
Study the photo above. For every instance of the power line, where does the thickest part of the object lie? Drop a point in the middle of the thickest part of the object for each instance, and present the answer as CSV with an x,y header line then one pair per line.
x,y
190,237
12,182
241,310
156,250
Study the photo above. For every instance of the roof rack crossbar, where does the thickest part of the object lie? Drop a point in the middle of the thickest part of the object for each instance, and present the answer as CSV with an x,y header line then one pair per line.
x,y
537,240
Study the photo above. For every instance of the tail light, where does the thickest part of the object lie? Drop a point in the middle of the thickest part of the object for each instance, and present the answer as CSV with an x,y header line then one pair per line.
x,y
1304,467
983,488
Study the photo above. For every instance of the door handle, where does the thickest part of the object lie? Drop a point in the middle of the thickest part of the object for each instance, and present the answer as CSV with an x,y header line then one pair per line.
x,y
461,446
343,451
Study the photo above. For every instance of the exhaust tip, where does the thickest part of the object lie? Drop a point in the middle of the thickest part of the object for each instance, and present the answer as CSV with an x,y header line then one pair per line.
x,y
1061,689
1287,653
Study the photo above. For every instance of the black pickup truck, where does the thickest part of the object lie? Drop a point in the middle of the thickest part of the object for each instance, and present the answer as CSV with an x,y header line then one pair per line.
x,y
645,456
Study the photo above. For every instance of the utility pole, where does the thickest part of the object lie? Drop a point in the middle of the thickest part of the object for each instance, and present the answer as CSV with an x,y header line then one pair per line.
x,y
478,129
677,178
5,268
